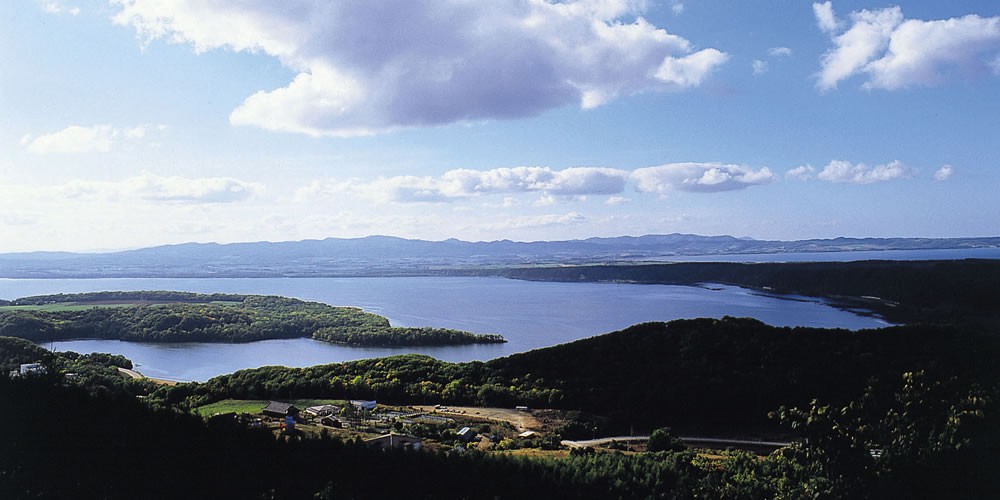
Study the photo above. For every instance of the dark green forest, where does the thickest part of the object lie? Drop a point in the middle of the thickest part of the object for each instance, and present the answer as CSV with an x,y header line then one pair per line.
x,y
961,292
704,375
935,429
158,316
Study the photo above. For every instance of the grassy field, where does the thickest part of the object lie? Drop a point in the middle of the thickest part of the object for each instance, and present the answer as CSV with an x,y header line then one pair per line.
x,y
255,405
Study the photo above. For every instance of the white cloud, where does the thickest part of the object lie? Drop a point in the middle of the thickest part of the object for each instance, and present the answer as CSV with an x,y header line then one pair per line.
x,y
81,139
855,48
802,172
552,186
74,139
895,53
843,171
368,67
172,189
944,173
56,7
466,183
616,200
779,52
759,67
677,8
825,18
698,177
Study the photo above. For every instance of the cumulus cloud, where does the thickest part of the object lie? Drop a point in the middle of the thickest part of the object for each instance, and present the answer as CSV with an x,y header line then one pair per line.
x,y
575,183
847,172
803,172
81,139
698,177
73,139
368,67
894,52
759,67
466,183
825,18
944,173
779,52
172,189
56,7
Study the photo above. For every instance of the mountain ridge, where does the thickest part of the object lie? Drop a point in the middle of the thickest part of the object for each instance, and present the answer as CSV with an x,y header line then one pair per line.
x,y
381,255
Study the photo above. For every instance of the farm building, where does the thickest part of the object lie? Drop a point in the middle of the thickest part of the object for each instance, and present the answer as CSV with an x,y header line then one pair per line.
x,y
331,421
466,434
364,405
323,410
393,440
279,410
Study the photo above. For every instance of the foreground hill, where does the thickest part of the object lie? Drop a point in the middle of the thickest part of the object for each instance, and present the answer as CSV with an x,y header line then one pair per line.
x,y
704,375
160,316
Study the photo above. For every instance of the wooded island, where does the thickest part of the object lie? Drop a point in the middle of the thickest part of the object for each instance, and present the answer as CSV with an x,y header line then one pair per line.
x,y
162,316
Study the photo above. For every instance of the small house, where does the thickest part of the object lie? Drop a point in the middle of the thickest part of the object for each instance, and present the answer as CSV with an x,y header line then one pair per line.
x,y
278,409
331,421
393,440
31,369
466,434
527,434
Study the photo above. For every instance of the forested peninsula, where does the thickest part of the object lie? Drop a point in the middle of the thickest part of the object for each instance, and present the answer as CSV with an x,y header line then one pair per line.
x,y
163,316
947,292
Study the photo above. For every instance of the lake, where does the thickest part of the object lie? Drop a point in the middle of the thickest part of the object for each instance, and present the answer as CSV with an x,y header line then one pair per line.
x,y
529,314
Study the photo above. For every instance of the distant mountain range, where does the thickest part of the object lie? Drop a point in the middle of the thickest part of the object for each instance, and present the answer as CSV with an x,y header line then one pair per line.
x,y
391,256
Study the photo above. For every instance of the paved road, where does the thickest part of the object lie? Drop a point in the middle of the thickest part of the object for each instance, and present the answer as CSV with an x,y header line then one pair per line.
x,y
135,374
686,439
130,373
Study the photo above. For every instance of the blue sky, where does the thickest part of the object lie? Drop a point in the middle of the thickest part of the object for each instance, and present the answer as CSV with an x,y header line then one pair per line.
x,y
131,123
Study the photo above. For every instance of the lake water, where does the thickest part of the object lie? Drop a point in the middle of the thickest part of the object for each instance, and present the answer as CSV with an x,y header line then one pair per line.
x,y
529,314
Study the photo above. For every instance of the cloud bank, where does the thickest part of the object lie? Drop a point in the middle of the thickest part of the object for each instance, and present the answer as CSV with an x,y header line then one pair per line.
x,y
368,67
853,173
163,189
551,184
893,52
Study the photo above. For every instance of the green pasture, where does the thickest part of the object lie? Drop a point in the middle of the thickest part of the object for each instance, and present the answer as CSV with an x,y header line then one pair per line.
x,y
256,405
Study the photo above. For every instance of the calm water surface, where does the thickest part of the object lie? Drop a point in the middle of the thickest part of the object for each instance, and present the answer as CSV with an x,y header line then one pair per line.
x,y
529,314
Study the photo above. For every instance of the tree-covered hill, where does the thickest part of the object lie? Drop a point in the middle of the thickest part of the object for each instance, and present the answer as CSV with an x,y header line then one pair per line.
x,y
695,375
159,316
945,292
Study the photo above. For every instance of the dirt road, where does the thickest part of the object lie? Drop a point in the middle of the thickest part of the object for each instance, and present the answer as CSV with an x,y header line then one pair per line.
x,y
523,420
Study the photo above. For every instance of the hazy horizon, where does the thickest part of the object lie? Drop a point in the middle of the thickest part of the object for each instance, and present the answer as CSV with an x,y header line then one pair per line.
x,y
132,124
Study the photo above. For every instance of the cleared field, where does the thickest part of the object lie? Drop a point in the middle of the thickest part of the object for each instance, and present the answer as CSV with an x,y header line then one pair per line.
x,y
256,405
